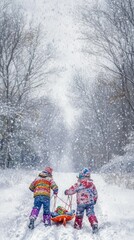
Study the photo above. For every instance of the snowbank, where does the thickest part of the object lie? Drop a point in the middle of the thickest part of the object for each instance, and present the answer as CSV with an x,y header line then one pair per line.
x,y
114,209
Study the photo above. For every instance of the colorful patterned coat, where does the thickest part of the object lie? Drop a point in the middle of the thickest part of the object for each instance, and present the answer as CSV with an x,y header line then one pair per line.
x,y
43,184
85,190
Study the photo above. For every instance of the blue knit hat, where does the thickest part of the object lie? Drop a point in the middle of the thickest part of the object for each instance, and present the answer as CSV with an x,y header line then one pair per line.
x,y
85,172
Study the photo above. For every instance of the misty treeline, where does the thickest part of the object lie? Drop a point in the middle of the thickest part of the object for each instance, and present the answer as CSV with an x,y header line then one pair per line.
x,y
33,131
107,104
28,124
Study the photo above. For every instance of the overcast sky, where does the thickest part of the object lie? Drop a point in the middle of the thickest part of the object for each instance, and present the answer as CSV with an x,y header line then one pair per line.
x,y
62,26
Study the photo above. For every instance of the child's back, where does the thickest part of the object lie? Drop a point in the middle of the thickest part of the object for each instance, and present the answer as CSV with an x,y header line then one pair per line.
x,y
41,187
86,192
43,184
86,196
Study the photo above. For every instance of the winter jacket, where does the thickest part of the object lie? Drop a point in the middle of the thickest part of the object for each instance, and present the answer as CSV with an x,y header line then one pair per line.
x,y
43,184
85,190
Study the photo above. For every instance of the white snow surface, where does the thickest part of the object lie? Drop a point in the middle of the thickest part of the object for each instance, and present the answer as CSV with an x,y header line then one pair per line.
x,y
114,209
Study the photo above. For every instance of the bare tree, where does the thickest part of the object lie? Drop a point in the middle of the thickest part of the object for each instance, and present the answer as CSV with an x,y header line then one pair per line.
x,y
24,65
109,31
99,132
110,28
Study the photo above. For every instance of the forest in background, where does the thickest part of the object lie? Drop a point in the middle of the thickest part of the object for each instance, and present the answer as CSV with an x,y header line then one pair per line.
x,y
33,131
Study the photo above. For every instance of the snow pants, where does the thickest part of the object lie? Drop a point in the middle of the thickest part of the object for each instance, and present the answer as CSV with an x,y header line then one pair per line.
x,y
38,202
89,208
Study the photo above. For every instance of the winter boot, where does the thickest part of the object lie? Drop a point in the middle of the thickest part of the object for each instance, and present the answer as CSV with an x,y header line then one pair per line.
x,y
95,228
31,224
47,220
78,222
34,213
94,223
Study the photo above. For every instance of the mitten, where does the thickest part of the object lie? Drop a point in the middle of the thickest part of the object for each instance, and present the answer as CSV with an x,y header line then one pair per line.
x,y
55,193
65,192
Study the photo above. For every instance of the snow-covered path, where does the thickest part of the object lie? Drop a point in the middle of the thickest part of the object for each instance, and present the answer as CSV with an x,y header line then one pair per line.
x,y
115,210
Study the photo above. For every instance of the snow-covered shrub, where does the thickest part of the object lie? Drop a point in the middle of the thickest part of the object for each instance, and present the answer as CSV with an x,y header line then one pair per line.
x,y
120,169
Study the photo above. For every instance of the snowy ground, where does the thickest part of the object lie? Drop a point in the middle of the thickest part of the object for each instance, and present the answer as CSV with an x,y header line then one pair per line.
x,y
115,210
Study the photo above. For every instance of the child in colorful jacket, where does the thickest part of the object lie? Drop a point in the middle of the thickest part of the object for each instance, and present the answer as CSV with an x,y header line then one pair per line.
x,y
41,187
86,196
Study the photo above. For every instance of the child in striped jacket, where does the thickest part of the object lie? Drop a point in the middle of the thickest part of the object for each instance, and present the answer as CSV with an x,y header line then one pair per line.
x,y
41,187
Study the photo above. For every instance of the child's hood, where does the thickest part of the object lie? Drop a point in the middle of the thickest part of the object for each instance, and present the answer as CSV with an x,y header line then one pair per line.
x,y
86,183
44,175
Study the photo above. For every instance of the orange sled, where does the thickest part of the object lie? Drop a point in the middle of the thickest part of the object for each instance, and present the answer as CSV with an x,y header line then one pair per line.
x,y
62,219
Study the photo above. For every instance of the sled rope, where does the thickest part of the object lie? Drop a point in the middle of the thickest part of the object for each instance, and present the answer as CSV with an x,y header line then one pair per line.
x,y
55,200
66,203
70,201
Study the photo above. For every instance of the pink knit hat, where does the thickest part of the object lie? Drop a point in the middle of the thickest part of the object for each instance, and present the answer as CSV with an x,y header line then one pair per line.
x,y
48,170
